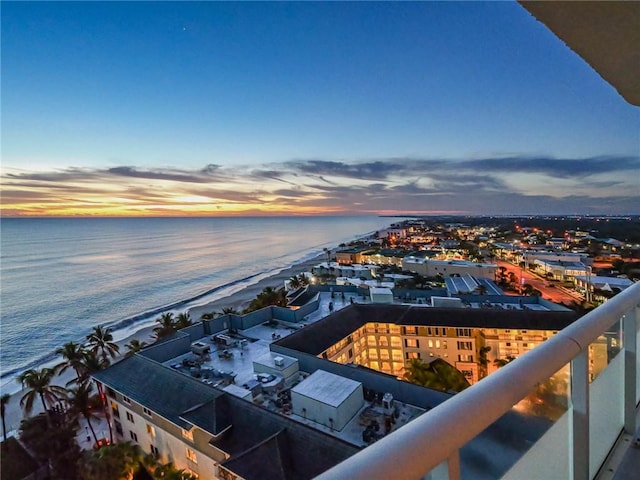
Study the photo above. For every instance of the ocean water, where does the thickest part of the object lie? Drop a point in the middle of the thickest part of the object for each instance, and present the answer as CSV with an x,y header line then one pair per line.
x,y
59,277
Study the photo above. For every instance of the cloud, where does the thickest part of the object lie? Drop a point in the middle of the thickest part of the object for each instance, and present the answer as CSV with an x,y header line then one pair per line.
x,y
554,167
376,170
488,185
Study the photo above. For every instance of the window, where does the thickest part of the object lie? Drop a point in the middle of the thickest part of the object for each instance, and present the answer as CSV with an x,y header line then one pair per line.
x,y
146,411
151,430
191,455
396,355
188,434
396,342
155,450
444,344
133,435
463,332
410,330
410,355
412,342
118,427
130,417
111,392
465,346
430,343
383,341
114,409
384,354
373,353
126,400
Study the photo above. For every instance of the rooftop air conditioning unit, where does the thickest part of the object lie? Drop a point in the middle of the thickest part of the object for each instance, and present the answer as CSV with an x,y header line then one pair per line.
x,y
279,361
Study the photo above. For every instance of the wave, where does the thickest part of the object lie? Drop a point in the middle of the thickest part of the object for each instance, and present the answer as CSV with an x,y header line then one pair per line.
x,y
125,327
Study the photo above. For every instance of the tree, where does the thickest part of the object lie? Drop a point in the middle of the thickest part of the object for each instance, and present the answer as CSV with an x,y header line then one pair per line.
x,y
294,282
101,340
4,400
111,462
268,296
82,403
54,443
92,364
437,375
228,311
166,327
170,472
73,354
38,384
501,362
183,321
134,346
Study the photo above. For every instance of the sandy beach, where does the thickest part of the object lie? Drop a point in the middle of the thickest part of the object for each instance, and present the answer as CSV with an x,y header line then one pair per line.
x,y
238,300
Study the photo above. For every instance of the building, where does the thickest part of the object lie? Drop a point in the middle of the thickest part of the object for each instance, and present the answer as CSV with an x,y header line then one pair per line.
x,y
351,255
208,432
561,270
448,268
386,337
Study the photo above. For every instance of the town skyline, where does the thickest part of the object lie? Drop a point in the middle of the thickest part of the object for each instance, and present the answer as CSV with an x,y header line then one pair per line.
x,y
305,109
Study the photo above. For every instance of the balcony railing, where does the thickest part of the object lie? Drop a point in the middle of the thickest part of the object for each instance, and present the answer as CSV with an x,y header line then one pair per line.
x,y
575,447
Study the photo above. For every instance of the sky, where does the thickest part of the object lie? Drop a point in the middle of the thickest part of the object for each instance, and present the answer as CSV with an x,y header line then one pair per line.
x,y
206,108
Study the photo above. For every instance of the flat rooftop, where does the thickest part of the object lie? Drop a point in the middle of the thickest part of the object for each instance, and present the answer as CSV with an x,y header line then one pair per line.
x,y
327,388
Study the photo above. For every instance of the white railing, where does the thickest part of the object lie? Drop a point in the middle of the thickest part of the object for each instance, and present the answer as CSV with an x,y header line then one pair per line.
x,y
436,437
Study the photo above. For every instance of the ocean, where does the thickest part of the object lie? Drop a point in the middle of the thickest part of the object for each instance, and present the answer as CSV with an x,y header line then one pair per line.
x,y
59,277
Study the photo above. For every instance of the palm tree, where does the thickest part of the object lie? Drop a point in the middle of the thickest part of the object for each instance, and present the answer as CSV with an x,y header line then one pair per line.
x,y
184,320
170,472
167,325
101,340
92,364
73,354
134,346
501,362
4,400
82,403
227,311
38,383
294,282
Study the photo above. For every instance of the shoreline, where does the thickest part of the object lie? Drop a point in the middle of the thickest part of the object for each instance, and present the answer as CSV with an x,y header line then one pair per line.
x,y
238,300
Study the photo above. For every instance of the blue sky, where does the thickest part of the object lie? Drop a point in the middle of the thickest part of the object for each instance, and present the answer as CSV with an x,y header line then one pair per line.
x,y
203,108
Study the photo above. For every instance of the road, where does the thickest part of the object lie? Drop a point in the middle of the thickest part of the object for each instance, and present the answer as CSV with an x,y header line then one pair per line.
x,y
555,294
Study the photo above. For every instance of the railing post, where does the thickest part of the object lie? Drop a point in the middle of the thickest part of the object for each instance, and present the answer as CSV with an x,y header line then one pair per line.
x,y
629,343
579,430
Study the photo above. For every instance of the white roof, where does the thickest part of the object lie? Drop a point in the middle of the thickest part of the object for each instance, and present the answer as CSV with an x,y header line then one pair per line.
x,y
327,388
381,291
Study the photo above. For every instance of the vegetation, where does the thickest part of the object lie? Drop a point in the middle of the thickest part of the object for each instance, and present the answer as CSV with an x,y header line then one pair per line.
x,y
53,442
101,341
437,375
268,297
16,461
4,400
38,384
112,462
134,346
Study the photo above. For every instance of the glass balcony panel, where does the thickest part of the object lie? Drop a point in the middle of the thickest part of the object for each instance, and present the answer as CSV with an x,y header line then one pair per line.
x,y
532,437
548,457
637,313
606,413
604,350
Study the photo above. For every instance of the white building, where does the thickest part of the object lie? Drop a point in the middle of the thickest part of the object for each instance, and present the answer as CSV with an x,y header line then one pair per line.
x,y
327,399
447,268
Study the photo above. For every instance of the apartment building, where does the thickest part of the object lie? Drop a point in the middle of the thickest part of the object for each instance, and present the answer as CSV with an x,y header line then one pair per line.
x,y
208,432
386,337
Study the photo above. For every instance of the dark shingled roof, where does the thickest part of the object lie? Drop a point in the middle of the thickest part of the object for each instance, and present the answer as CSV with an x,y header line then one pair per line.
x,y
308,451
266,460
162,390
213,417
267,446
317,337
